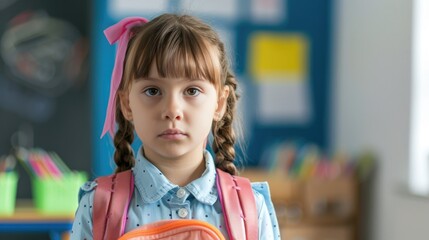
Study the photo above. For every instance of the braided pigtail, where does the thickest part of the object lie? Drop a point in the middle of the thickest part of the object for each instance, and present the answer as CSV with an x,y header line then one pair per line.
x,y
223,132
124,156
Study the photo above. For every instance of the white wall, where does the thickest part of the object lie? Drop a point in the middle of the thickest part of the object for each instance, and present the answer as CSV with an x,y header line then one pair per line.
x,y
371,106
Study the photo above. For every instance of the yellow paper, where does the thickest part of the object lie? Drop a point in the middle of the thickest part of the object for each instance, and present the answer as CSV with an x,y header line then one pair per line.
x,y
278,57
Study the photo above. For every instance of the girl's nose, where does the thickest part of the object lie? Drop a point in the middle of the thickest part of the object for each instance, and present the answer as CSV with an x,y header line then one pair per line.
x,y
173,110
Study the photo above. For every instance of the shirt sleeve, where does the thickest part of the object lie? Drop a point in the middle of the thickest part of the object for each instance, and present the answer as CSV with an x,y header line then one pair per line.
x,y
268,225
82,224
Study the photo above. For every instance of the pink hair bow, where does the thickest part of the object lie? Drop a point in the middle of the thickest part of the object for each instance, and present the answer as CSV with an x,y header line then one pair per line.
x,y
118,32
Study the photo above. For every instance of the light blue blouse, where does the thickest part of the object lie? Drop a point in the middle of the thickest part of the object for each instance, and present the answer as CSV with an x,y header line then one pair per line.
x,y
156,198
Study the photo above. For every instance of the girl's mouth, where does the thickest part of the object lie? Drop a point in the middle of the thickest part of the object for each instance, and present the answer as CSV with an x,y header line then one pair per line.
x,y
172,134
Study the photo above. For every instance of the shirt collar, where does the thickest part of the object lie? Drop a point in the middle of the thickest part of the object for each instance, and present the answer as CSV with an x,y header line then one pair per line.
x,y
153,185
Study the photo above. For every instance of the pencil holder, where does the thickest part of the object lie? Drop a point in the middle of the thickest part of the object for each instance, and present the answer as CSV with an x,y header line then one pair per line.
x,y
58,196
8,184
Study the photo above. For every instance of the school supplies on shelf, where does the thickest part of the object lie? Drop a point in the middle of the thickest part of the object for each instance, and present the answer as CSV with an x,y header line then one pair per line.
x,y
55,187
305,160
42,164
316,195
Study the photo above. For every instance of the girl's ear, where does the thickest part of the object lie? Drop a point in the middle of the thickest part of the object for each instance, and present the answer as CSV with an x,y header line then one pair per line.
x,y
125,105
222,103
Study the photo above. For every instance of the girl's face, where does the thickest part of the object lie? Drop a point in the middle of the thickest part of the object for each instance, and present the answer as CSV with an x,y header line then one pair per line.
x,y
172,116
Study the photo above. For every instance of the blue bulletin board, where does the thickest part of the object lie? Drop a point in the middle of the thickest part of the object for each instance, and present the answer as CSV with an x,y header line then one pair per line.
x,y
280,51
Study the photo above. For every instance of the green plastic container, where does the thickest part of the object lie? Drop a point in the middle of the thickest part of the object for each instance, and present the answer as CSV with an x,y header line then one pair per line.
x,y
58,196
8,184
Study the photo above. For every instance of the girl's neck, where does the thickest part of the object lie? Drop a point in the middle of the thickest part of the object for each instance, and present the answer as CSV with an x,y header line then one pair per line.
x,y
180,171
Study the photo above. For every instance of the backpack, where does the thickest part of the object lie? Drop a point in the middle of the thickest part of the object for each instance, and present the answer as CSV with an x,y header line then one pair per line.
x,y
111,209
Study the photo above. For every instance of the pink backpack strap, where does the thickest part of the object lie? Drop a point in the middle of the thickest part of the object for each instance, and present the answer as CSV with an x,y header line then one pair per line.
x,y
111,200
238,205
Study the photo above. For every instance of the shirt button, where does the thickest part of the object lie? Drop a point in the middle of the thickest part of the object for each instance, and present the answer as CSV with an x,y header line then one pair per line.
x,y
181,193
183,212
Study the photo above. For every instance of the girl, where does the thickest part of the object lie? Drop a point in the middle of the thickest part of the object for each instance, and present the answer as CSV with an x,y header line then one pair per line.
x,y
176,86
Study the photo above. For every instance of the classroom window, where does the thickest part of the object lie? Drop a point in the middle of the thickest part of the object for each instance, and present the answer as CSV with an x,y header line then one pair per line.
x,y
419,132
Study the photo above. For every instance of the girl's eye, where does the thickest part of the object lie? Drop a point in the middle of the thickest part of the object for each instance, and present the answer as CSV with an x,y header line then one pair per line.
x,y
152,92
193,91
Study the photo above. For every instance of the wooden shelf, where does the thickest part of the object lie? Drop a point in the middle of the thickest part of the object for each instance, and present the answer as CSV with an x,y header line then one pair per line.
x,y
313,209
27,219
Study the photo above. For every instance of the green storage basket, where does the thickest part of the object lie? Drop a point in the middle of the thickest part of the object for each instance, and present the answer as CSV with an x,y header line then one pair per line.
x,y
58,196
8,185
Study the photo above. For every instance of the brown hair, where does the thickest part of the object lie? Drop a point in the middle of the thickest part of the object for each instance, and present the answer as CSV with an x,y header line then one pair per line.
x,y
181,46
